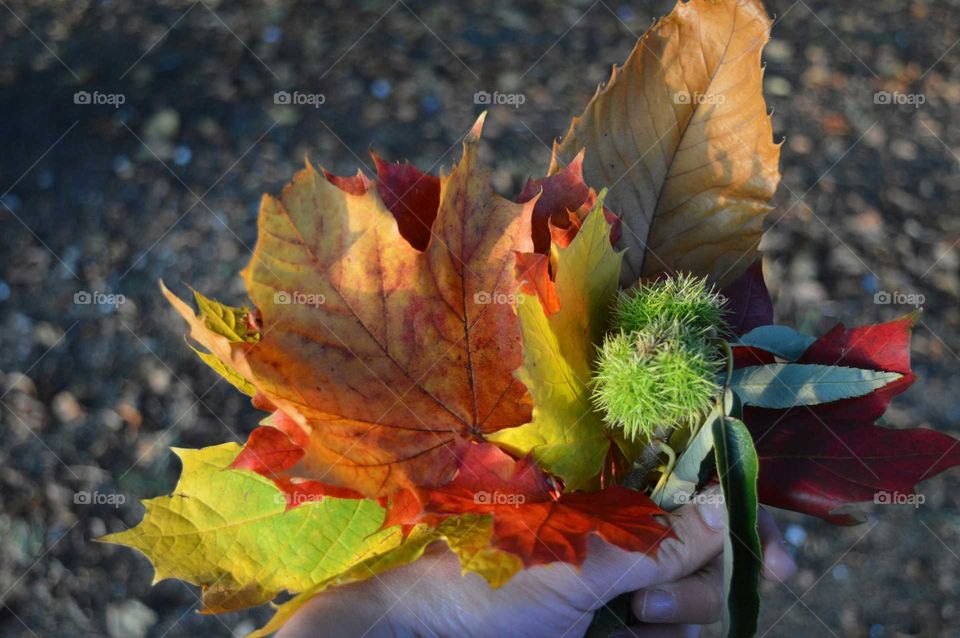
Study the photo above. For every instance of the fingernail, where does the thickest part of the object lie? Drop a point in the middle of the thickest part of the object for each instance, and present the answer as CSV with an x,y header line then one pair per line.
x,y
659,605
778,563
713,512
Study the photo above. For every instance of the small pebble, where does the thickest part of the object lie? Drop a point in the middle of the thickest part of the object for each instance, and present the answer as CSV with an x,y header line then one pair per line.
x,y
182,155
431,104
795,535
380,89
129,619
272,34
841,572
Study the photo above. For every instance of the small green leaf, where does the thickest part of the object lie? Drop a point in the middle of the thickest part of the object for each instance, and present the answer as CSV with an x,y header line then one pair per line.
x,y
785,385
782,341
737,466
225,320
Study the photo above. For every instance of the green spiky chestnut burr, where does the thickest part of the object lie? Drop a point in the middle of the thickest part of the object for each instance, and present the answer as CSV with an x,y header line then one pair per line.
x,y
657,369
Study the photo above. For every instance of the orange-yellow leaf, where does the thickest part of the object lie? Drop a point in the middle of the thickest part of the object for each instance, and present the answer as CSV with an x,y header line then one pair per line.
x,y
388,356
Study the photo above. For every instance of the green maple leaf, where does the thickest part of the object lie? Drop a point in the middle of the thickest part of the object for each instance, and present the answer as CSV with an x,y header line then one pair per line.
x,y
230,532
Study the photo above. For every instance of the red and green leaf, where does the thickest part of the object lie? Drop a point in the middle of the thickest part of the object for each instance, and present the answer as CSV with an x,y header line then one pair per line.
x,y
822,459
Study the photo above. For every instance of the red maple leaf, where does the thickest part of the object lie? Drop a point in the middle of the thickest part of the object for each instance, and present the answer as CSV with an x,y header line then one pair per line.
x,y
565,200
532,519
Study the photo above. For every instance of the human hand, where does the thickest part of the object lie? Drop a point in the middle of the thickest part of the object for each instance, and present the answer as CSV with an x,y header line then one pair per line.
x,y
673,594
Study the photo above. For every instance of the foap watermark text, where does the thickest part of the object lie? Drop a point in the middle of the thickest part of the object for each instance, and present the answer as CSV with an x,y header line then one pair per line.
x,y
298,298
898,298
499,498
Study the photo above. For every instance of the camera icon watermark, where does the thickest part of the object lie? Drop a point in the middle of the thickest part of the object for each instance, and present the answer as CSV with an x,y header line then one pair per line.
x,y
916,100
299,98
96,98
897,298
97,298
84,497
898,498
499,498
297,298
486,98
685,97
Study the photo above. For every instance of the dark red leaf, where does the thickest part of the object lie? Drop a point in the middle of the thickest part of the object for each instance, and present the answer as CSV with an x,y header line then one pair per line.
x,y
745,356
810,467
565,200
748,301
820,459
882,347
412,196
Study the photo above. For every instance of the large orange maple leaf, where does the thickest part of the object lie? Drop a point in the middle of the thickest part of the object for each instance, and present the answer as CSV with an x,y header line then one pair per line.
x,y
410,352
385,319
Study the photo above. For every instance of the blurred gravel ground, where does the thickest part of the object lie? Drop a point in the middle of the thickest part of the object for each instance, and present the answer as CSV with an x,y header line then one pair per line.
x,y
104,199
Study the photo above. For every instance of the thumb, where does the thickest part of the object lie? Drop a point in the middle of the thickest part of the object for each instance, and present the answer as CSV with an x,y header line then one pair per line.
x,y
698,530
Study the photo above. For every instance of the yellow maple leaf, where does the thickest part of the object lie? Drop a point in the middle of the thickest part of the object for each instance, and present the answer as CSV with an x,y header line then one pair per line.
x,y
231,533
566,436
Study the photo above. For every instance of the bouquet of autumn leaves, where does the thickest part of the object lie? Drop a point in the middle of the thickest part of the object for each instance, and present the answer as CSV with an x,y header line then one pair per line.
x,y
438,363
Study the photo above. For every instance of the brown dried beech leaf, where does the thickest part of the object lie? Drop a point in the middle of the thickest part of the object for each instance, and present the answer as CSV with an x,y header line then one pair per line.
x,y
388,356
681,136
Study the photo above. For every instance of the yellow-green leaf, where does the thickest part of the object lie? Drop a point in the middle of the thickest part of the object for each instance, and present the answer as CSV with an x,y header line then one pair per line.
x,y
468,536
566,436
229,531
681,136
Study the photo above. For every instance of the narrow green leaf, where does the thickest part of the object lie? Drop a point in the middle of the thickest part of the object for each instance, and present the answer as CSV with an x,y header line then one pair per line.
x,y
737,467
695,461
785,385
782,341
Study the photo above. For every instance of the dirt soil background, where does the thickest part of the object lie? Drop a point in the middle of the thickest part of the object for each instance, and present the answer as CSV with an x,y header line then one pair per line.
x,y
109,198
